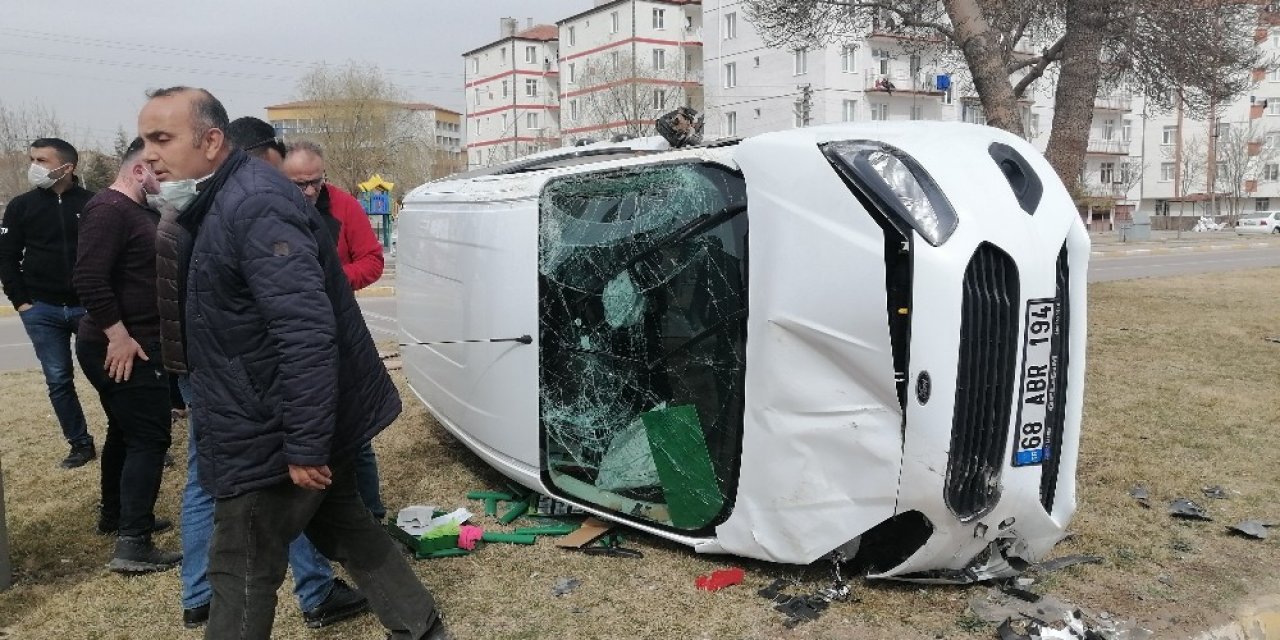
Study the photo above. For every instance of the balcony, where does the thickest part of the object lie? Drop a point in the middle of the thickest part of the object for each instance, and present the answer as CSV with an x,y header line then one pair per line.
x,y
1115,191
922,84
1109,147
1116,102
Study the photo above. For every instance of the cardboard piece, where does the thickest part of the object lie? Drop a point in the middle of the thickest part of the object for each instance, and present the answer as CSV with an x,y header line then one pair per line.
x,y
590,531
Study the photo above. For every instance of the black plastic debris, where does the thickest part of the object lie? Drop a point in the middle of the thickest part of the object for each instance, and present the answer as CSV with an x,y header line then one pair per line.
x,y
1215,492
1067,561
1006,632
564,586
1007,587
1188,510
1139,493
774,589
1255,529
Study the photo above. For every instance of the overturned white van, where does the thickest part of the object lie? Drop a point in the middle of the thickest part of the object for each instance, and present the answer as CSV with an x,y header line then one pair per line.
x,y
777,348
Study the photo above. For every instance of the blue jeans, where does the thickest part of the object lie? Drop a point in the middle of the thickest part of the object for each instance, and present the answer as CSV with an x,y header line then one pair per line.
x,y
312,575
50,327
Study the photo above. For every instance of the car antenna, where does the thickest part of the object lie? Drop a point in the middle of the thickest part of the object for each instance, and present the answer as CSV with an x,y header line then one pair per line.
x,y
524,339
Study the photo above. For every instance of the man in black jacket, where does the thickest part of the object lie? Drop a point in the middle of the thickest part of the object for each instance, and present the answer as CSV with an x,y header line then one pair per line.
x,y
119,350
286,381
37,253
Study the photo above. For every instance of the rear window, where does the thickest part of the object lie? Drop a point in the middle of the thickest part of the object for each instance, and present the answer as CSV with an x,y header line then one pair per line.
x,y
642,320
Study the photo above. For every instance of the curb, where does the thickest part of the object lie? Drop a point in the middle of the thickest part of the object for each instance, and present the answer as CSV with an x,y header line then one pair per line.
x,y
1189,248
384,291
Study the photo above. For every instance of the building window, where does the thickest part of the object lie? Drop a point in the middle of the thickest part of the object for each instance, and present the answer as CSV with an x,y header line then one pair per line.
x,y
1108,128
1224,131
1273,74
917,112
573,109
531,88
849,111
882,57
972,113
571,37
1271,172
848,58
502,54
757,114
659,59
879,111
1107,173
475,65
1126,130
1273,106
801,61
731,123
531,120
1127,170
730,75
1166,171
505,90
1034,130
659,98
531,54
1262,204
613,22
613,59
1168,135
730,26
659,18
1271,140
573,74
478,96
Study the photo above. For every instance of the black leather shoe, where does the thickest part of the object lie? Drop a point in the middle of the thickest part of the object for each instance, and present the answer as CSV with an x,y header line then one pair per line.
x,y
137,554
79,456
195,617
342,603
111,528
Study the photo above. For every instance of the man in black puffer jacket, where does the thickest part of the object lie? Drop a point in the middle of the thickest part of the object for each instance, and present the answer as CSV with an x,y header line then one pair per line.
x,y
286,381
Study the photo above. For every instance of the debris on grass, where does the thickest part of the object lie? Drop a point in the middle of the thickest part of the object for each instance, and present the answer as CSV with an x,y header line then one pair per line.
x,y
720,579
1139,493
1255,529
564,586
1050,617
1056,564
1215,492
1187,510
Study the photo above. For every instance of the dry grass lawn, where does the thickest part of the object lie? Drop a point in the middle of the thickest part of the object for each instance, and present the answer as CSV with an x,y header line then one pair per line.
x,y
1182,393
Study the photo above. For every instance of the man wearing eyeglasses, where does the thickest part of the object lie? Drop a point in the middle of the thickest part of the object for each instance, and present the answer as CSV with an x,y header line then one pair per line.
x,y
358,247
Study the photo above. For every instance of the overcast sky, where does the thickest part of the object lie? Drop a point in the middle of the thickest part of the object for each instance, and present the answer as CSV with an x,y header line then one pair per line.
x,y
91,60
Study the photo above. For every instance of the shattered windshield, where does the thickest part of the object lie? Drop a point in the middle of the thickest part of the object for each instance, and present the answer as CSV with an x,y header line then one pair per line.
x,y
642,314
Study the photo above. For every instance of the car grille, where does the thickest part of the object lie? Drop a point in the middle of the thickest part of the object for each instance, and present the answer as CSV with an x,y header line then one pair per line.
x,y
1060,357
984,382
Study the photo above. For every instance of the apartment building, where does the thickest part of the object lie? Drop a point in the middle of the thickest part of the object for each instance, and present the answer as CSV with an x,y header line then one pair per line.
x,y
513,94
431,126
623,63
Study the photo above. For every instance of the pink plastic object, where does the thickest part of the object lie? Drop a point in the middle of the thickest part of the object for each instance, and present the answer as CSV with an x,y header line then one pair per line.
x,y
468,536
719,579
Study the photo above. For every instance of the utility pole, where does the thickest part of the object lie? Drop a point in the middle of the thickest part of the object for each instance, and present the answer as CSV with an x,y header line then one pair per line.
x,y
804,106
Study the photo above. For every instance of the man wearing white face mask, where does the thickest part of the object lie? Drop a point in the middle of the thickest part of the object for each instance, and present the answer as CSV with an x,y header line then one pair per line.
x,y
37,253
119,350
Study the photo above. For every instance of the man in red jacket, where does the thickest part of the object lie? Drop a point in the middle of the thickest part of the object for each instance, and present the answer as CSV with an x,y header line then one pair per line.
x,y
361,256
358,247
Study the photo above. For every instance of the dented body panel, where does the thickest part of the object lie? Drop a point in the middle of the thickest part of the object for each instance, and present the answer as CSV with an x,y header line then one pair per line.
x,y
820,439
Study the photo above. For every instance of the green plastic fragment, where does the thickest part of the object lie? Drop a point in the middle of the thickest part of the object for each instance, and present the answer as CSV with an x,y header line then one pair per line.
x,y
552,530
491,506
512,538
486,495
517,509
684,465
443,553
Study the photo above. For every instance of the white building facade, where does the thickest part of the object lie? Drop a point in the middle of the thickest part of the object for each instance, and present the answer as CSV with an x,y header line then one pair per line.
x,y
512,94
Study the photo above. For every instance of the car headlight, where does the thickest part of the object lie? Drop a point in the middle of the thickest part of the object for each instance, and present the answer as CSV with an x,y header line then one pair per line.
x,y
895,182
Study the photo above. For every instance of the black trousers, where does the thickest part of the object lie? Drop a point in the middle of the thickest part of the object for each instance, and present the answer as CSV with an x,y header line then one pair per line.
x,y
248,556
138,435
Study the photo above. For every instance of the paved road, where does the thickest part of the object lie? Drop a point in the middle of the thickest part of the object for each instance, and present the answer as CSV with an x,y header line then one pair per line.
x,y
16,353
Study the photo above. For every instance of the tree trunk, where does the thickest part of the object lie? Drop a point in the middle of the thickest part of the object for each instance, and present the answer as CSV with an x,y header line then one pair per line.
x,y
1077,89
981,48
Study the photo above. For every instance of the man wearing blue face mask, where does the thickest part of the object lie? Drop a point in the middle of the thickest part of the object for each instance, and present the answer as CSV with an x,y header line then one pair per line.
x,y
285,379
37,253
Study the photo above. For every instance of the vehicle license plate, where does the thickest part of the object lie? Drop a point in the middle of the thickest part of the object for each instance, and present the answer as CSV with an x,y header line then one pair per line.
x,y
1036,400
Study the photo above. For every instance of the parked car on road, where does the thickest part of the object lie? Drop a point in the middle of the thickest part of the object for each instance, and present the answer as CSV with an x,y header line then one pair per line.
x,y
816,340
1261,222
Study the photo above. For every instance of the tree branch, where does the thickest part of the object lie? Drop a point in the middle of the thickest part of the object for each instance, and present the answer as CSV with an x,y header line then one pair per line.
x,y
905,19
1050,55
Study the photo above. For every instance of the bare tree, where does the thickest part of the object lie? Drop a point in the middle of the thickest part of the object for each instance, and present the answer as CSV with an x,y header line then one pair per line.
x,y
19,125
365,127
629,94
1246,148
1190,166
1205,48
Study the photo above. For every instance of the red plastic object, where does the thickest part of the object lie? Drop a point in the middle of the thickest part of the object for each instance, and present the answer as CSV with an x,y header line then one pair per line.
x,y
720,579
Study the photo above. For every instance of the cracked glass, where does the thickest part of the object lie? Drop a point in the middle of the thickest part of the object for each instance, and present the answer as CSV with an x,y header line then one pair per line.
x,y
642,320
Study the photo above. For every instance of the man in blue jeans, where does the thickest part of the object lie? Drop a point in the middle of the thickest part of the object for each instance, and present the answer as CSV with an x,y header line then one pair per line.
x,y
324,599
37,254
